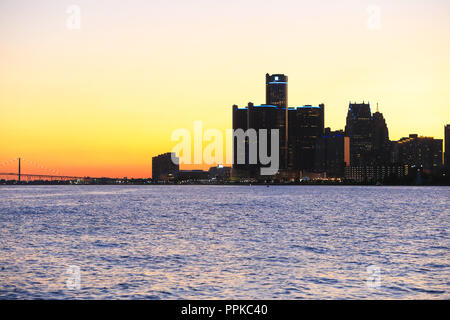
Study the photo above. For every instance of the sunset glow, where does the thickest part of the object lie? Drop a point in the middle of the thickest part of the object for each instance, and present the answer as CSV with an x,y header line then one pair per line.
x,y
104,99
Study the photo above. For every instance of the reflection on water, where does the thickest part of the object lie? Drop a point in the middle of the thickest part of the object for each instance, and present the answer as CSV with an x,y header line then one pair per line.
x,y
233,242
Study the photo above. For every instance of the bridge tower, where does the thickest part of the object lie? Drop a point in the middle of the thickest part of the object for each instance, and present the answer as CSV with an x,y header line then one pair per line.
x,y
19,170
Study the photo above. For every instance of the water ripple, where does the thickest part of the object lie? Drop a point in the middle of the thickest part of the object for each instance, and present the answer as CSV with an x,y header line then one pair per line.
x,y
224,242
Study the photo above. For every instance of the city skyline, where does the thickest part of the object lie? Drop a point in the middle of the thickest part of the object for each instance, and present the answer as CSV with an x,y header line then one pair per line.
x,y
103,100
37,164
233,157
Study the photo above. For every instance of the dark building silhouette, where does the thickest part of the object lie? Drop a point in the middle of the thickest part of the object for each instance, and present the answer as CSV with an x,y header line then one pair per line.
x,y
257,118
277,90
220,173
381,145
374,174
300,130
363,152
192,175
359,128
277,95
240,121
293,162
447,147
371,152
163,168
421,152
264,117
330,153
306,127
272,115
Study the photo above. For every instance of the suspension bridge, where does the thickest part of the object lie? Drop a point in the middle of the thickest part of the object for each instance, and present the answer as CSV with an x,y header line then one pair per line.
x,y
53,175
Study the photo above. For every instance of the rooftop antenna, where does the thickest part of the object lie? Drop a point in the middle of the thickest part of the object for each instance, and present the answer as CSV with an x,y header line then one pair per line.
x,y
377,107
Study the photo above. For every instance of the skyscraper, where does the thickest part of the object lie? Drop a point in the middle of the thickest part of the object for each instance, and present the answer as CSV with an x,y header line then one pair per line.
x,y
306,127
447,147
277,95
263,117
421,152
240,116
300,130
380,140
359,128
257,118
272,115
277,90
330,153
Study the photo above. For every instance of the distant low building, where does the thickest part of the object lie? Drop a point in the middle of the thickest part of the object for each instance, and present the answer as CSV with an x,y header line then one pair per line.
x,y
192,175
421,152
220,172
374,174
164,168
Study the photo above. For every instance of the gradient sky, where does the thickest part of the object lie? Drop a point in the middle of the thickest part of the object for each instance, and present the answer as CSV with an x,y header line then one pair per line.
x,y
104,99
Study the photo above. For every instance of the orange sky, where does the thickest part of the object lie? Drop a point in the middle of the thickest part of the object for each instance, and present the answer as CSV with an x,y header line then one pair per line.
x,y
104,99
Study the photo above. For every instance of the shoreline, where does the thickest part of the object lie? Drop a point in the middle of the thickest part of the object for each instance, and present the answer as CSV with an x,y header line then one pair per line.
x,y
226,184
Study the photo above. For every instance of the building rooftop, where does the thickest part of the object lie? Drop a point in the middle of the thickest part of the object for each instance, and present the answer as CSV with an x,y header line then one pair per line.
x,y
261,106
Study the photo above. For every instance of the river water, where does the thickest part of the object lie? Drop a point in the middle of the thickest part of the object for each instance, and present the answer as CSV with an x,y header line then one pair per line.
x,y
224,242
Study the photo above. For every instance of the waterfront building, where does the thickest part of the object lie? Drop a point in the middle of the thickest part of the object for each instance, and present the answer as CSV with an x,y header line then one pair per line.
x,y
359,128
421,152
192,176
256,118
447,147
380,140
163,167
277,95
277,90
306,128
330,153
220,172
374,174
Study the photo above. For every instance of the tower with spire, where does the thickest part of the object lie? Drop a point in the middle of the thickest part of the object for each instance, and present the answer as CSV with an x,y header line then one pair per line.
x,y
380,139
